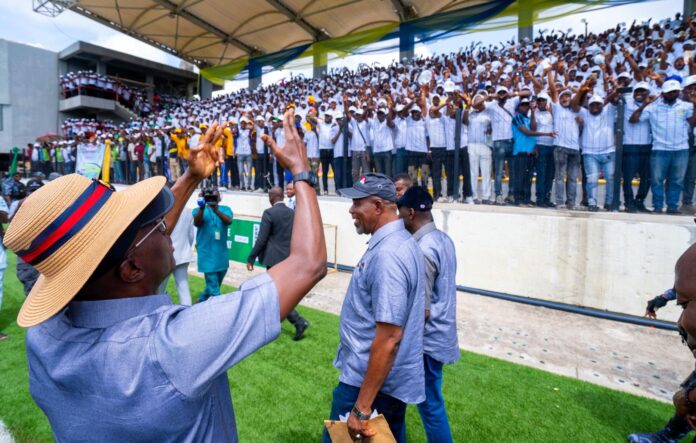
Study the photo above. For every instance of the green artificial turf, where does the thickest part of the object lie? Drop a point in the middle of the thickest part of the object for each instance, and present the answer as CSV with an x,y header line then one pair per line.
x,y
283,392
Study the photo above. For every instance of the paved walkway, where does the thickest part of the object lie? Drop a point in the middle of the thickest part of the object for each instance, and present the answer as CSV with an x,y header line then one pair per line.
x,y
644,361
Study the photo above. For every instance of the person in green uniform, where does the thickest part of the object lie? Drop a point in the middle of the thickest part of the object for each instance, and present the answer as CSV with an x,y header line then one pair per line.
x,y
212,220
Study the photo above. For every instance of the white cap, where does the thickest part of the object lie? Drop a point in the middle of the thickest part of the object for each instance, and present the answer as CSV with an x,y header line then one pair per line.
x,y
449,86
671,85
543,96
596,99
359,111
645,85
690,80
416,108
624,75
501,88
399,108
338,114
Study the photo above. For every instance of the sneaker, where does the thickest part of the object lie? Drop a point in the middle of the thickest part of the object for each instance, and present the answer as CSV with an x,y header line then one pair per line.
x,y
561,207
499,200
3,336
550,205
258,191
657,211
441,200
658,437
449,200
593,208
674,211
470,201
631,210
478,202
509,199
300,330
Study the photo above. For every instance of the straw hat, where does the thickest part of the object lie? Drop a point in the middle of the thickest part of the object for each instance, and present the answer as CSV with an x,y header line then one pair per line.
x,y
65,229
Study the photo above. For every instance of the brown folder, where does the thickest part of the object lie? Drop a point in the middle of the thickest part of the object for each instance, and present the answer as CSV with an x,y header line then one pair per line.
x,y
338,431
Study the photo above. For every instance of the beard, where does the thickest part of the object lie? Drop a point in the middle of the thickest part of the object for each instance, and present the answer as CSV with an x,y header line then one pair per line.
x,y
358,228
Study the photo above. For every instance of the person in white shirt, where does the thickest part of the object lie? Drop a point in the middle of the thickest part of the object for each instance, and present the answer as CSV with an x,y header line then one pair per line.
x,y
326,129
437,145
417,146
566,152
400,133
358,143
383,142
637,144
544,149
670,122
450,121
244,154
598,147
342,176
480,155
311,140
261,161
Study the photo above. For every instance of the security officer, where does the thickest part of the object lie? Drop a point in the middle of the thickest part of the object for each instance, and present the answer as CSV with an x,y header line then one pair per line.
x,y
440,345
380,353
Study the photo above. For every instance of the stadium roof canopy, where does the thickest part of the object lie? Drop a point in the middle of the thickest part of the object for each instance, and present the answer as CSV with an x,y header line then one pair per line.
x,y
214,32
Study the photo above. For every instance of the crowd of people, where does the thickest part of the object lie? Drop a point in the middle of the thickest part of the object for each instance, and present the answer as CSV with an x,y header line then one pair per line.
x,y
542,111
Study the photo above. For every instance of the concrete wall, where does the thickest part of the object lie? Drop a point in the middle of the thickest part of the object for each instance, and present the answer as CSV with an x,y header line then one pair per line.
x,y
605,261
28,93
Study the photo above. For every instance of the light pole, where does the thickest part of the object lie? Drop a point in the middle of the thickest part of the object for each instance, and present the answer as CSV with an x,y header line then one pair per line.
x,y
583,20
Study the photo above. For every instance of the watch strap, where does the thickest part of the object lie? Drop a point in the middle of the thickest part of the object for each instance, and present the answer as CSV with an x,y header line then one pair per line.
x,y
308,176
359,414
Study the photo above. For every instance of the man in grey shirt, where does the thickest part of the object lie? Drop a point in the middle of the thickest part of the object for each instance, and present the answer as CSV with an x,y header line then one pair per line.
x,y
440,345
380,353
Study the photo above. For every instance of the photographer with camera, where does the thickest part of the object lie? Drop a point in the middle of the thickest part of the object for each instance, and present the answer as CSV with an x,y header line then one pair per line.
x,y
212,221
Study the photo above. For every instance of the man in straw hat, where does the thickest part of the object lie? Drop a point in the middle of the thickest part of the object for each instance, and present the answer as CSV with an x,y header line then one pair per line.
x,y
108,361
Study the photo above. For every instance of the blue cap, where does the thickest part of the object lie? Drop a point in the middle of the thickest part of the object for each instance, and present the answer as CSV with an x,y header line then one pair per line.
x,y
379,185
417,198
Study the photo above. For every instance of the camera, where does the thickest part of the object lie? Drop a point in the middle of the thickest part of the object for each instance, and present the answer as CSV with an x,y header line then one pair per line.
x,y
626,90
210,195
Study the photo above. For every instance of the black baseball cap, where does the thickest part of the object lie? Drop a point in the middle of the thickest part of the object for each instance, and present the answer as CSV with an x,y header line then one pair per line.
x,y
417,198
379,185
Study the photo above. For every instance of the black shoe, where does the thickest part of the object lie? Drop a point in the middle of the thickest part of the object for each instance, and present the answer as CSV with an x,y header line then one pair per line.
x,y
593,208
299,330
674,212
631,209
640,206
3,336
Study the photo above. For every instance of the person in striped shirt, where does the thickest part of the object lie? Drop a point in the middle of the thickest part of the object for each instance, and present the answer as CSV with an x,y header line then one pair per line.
x,y
670,121
437,145
544,151
637,144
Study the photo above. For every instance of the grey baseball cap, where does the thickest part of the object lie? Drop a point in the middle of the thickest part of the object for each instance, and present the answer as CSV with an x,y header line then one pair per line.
x,y
379,185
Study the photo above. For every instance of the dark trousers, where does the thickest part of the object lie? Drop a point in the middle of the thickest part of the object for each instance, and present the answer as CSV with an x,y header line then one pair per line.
x,y
438,156
636,160
293,317
400,161
326,157
688,193
280,172
545,170
523,165
583,176
261,169
464,171
394,410
232,177
341,173
432,410
383,162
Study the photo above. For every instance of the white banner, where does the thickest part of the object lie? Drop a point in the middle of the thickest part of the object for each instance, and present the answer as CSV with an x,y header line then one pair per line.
x,y
89,159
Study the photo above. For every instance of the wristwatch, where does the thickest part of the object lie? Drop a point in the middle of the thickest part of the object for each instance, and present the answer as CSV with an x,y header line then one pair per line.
x,y
306,176
360,415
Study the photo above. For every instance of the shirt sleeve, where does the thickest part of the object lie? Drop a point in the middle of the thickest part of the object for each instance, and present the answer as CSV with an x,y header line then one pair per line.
x,y
388,288
196,344
430,276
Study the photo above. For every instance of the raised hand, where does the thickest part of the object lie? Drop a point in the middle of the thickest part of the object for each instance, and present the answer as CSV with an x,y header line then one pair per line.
x,y
205,157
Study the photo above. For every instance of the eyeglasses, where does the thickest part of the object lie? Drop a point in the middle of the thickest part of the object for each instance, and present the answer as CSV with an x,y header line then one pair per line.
x,y
160,225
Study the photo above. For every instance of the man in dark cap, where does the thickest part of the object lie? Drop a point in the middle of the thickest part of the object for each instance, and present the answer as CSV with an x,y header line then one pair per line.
x,y
440,345
380,353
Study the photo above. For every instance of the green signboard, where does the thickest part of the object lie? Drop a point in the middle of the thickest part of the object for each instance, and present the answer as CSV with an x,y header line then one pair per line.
x,y
241,238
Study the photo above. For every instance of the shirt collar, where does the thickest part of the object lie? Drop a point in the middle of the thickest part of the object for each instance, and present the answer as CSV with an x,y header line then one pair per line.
x,y
384,232
104,313
425,229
